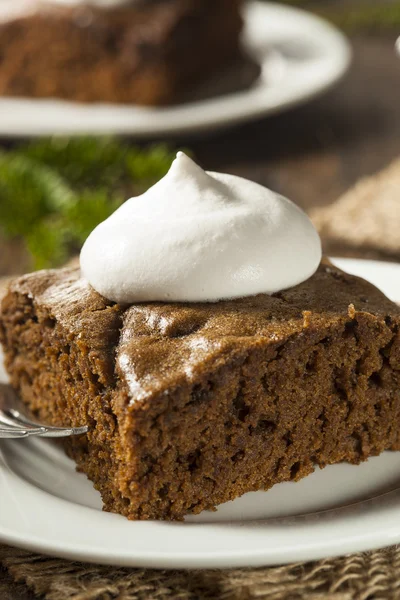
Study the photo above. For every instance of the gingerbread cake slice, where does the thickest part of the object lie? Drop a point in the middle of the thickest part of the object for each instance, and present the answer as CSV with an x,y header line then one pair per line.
x,y
191,405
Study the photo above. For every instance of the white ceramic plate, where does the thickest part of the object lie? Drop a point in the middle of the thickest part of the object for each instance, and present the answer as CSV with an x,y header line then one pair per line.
x,y
46,506
300,54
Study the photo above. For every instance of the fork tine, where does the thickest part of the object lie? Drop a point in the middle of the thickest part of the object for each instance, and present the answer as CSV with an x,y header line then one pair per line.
x,y
14,424
11,429
18,419
59,432
12,433
6,419
48,430
14,429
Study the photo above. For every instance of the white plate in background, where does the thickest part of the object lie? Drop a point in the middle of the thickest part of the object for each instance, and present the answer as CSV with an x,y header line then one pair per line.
x,y
300,54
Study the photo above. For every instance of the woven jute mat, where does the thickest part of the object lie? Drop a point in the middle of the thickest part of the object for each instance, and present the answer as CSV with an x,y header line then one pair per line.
x,y
366,219
366,576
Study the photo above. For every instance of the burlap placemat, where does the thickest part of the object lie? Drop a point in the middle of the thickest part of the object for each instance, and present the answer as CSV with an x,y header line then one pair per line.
x,y
366,576
366,219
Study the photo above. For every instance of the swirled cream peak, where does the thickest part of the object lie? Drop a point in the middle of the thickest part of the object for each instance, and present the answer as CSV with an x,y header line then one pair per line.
x,y
199,236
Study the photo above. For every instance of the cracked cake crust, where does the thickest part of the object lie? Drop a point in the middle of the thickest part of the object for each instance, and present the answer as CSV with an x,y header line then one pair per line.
x,y
191,405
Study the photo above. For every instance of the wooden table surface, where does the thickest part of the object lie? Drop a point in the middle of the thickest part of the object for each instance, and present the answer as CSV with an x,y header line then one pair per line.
x,y
312,153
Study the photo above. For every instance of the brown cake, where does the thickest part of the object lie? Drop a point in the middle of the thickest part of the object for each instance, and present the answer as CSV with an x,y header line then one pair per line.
x,y
146,52
191,405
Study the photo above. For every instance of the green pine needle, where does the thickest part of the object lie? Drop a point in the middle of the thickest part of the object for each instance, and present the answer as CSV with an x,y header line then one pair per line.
x,y
54,192
48,243
355,15
147,167
82,161
93,207
373,17
29,192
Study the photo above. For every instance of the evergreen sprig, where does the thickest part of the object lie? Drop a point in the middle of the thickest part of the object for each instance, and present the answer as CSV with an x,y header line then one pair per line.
x,y
54,192
369,17
355,15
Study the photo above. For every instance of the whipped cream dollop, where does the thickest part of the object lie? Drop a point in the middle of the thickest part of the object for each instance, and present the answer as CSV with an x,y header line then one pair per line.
x,y
200,236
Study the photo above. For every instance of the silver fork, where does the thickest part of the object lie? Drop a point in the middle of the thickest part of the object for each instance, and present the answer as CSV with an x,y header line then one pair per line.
x,y
15,424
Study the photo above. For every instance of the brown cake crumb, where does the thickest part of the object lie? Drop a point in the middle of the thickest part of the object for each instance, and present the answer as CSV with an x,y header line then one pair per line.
x,y
191,405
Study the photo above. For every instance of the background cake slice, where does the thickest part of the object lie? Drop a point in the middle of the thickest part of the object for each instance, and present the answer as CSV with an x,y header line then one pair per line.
x,y
146,52
191,405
